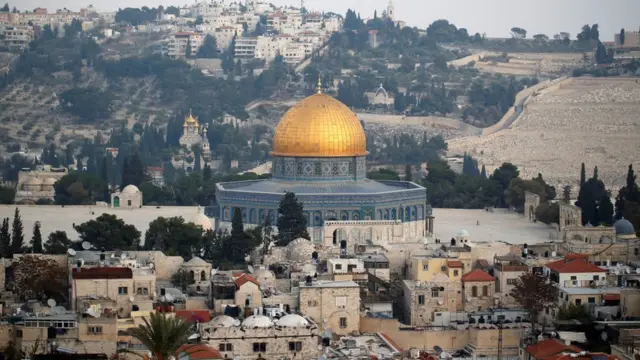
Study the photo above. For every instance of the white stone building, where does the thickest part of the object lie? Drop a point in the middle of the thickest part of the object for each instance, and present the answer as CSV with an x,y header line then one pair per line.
x,y
129,198
177,43
17,36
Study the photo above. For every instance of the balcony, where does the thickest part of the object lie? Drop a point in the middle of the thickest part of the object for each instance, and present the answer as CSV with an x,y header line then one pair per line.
x,y
584,283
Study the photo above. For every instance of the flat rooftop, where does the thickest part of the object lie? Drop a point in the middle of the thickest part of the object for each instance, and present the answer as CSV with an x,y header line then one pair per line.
x,y
590,291
499,225
330,284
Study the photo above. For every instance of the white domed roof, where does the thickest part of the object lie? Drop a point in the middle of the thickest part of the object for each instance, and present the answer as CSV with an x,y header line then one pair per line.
x,y
34,181
292,320
257,321
202,220
300,250
462,232
130,189
49,181
224,321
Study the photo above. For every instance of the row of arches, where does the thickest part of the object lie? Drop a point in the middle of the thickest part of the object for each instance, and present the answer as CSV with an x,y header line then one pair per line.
x,y
317,217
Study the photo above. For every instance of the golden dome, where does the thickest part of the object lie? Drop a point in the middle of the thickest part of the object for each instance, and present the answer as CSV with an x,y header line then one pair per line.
x,y
189,120
319,126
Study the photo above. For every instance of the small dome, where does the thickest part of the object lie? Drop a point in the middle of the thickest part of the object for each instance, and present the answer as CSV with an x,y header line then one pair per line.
x,y
49,181
292,320
33,181
196,262
224,321
462,232
300,250
624,227
130,189
202,220
257,321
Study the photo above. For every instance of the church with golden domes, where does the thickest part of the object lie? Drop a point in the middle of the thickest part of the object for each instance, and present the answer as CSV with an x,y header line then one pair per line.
x,y
193,134
319,153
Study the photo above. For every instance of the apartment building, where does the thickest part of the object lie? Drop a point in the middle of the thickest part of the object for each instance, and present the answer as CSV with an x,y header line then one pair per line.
x,y
332,305
17,36
177,44
245,47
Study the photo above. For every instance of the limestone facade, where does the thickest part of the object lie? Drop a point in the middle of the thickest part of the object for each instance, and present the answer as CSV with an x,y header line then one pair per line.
x,y
332,305
478,295
248,294
199,273
129,198
423,298
236,342
38,184
531,203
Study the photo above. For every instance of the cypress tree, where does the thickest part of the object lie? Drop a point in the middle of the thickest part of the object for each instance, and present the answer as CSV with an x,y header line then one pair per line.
x,y
17,236
605,210
104,174
36,240
292,223
631,189
595,173
583,175
483,172
5,239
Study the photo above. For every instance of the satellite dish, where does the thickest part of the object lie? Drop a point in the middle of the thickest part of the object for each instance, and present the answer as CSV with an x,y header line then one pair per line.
x,y
58,310
123,256
440,302
553,254
168,297
250,269
86,245
92,312
215,271
71,252
638,270
617,272
51,303
627,270
132,299
247,258
151,265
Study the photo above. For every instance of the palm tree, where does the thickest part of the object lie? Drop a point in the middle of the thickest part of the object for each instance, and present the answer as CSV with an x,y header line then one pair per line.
x,y
161,335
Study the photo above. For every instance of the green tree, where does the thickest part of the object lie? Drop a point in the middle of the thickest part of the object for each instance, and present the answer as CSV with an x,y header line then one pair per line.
x,y
483,172
174,236
292,223
57,243
209,48
622,34
408,172
548,213
162,335
5,239
133,171
566,194
108,232
590,194
503,175
574,312
5,8
534,293
36,240
79,188
605,210
238,244
7,195
188,50
17,236
583,175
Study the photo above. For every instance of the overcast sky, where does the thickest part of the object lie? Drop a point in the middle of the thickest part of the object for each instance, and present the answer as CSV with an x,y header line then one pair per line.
x,y
493,17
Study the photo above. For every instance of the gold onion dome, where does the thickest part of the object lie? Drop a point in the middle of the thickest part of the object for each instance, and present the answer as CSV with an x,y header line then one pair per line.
x,y
190,120
319,126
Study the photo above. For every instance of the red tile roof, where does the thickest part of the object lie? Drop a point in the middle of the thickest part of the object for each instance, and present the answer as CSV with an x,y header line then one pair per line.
x,y
199,351
245,278
102,273
192,316
547,349
454,264
477,275
611,297
576,256
573,266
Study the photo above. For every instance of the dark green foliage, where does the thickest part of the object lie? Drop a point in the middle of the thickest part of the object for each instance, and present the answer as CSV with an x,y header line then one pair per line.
x,y
591,192
237,245
36,240
548,213
79,188
292,224
57,243
503,176
622,36
383,174
566,194
7,194
408,173
515,194
87,104
109,232
174,237
134,172
628,201
5,239
605,210
17,235
188,49
209,48
583,175
470,166
135,16
483,172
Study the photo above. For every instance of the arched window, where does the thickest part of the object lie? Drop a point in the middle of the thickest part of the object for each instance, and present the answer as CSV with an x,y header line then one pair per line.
x,y
485,291
192,276
203,276
139,291
474,291
145,291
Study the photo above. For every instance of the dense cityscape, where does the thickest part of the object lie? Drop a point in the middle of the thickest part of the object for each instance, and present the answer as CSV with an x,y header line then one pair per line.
x,y
242,180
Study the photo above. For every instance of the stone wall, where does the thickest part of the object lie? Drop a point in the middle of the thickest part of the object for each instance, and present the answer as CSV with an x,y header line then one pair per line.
x,y
277,342
479,301
321,304
449,340
418,314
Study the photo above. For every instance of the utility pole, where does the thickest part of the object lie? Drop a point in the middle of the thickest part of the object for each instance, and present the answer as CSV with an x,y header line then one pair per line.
x,y
500,325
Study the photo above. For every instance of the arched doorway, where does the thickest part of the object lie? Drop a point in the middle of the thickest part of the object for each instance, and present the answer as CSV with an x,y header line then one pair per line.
x,y
343,244
116,201
338,235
